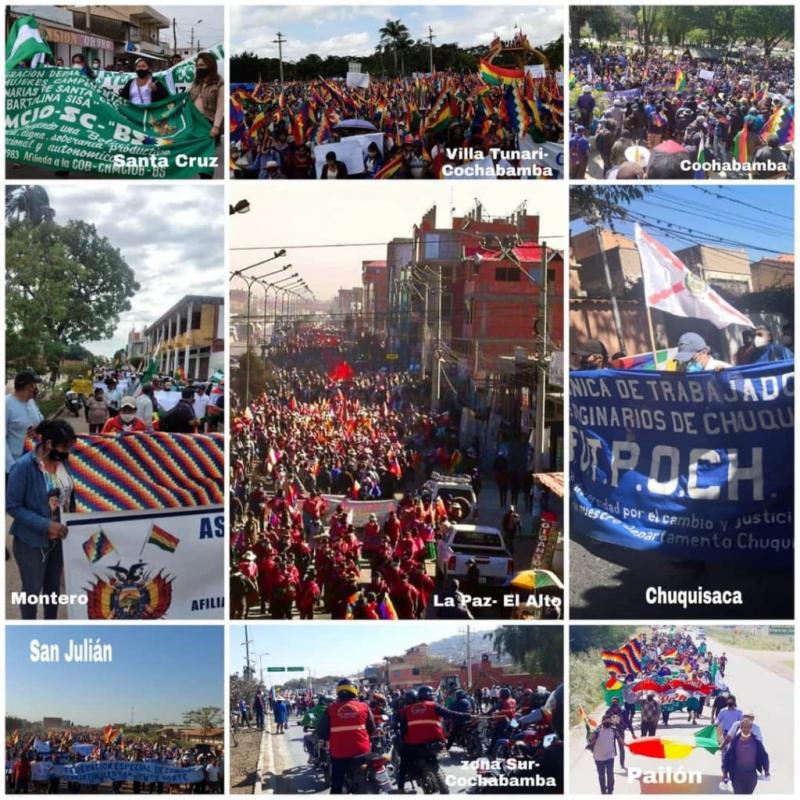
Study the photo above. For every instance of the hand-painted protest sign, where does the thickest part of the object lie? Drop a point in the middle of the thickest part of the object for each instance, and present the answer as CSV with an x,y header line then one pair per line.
x,y
146,564
351,151
58,119
535,70
706,74
695,465
177,79
95,772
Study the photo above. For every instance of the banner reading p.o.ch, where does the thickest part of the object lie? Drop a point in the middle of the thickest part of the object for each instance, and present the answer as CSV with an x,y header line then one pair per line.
x,y
58,119
149,564
696,465
95,772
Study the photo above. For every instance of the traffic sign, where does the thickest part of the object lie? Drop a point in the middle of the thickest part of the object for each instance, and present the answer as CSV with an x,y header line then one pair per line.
x,y
295,669
276,669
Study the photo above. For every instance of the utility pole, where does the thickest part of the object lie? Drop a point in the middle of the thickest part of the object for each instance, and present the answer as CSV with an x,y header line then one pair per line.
x,y
431,37
436,377
191,40
469,661
542,372
595,221
280,41
174,38
246,644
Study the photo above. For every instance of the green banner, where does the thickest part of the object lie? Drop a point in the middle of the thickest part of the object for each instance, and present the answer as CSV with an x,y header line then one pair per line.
x,y
58,119
177,79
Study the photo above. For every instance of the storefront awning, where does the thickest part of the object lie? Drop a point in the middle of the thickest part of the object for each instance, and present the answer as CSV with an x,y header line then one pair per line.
x,y
75,38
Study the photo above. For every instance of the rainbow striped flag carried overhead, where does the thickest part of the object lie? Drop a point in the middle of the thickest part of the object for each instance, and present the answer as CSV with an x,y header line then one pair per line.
x,y
160,538
97,546
680,80
498,76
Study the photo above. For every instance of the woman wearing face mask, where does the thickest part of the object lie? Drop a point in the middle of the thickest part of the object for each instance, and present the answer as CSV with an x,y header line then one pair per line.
x,y
143,89
126,421
39,492
79,62
207,92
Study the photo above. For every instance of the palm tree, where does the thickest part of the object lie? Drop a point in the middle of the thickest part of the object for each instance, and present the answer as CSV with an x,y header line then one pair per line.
x,y
29,204
394,32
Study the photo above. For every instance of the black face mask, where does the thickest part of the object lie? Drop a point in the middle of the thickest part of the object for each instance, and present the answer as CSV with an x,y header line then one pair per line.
x,y
202,72
57,455
142,73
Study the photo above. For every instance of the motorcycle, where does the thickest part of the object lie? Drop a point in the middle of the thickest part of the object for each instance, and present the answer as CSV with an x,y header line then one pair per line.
x,y
471,737
424,769
366,774
74,402
543,766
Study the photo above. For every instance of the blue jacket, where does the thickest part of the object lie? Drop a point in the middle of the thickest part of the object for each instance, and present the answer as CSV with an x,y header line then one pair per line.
x,y
27,503
729,757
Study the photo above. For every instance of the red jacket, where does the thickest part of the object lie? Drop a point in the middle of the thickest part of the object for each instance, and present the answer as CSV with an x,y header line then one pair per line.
x,y
423,724
348,731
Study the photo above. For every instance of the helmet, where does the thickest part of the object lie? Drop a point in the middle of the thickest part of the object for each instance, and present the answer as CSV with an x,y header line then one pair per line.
x,y
379,698
460,694
425,693
410,697
505,694
346,689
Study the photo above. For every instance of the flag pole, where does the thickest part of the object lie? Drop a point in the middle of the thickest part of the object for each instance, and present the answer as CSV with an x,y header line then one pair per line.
x,y
146,538
650,328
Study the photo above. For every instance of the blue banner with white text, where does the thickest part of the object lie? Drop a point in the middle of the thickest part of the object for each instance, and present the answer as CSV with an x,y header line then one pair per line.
x,y
697,466
94,772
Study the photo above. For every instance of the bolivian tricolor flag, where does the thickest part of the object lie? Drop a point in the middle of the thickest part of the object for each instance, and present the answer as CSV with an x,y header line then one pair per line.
x,y
498,76
160,538
656,747
680,80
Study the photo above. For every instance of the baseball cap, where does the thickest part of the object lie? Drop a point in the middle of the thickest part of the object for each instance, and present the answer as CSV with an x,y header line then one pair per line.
x,y
25,378
591,347
128,402
689,345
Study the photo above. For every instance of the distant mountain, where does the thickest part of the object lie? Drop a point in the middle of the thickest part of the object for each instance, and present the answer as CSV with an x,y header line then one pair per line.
x,y
453,648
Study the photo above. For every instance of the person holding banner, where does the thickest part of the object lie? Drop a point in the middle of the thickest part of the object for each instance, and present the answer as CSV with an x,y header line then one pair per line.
x,y
207,92
39,490
143,89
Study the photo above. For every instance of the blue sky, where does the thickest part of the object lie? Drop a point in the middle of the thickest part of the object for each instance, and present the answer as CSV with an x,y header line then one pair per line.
x,y
761,229
335,648
345,30
162,670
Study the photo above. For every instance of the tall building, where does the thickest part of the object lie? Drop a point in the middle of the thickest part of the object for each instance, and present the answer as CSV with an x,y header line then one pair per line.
x,y
189,336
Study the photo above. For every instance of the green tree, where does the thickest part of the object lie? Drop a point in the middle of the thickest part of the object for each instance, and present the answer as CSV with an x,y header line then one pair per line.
x,y
647,26
206,718
768,25
603,202
394,33
28,204
532,648
65,284
584,638
258,375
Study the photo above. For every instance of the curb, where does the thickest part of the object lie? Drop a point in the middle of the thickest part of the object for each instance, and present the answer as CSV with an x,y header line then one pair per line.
x,y
265,768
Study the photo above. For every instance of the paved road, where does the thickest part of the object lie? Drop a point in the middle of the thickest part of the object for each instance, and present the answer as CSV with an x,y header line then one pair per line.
x,y
294,776
764,690
609,582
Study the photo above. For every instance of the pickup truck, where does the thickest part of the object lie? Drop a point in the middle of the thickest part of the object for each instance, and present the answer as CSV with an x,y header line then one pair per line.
x,y
484,544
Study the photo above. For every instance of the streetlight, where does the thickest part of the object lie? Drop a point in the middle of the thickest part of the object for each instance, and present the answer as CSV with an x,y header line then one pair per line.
x,y
275,256
267,286
242,207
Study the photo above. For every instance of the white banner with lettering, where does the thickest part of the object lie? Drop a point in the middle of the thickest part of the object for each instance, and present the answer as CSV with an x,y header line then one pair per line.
x,y
150,564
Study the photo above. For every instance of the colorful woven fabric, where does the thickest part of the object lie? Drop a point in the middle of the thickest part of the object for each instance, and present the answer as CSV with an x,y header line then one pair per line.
x,y
147,470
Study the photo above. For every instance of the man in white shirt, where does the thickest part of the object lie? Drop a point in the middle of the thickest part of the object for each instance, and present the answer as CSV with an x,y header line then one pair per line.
x,y
200,402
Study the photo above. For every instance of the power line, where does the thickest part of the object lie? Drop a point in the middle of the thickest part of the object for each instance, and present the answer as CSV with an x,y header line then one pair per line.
x,y
741,203
371,244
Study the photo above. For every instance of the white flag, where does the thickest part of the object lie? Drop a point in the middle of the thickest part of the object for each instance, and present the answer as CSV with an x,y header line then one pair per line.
x,y
669,286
